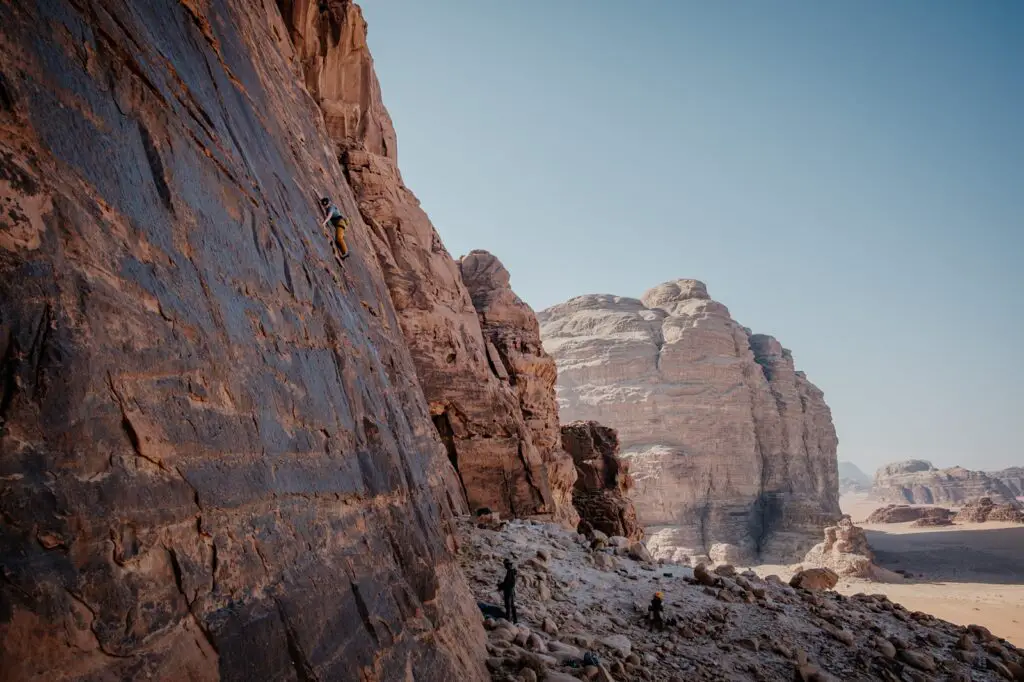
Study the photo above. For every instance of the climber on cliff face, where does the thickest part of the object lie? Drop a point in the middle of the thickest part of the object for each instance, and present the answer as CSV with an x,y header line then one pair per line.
x,y
508,591
339,222
656,611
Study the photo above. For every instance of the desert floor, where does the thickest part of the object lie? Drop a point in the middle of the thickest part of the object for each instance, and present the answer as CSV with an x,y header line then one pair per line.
x,y
971,573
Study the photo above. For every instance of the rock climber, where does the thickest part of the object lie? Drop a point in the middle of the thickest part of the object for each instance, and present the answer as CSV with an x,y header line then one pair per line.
x,y
508,591
656,611
339,222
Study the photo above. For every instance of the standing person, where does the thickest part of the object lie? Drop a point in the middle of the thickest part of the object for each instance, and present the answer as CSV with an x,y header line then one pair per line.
x,y
508,591
339,222
657,610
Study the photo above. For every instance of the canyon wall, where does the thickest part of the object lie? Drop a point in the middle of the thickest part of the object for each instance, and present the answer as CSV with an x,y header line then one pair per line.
x,y
216,461
917,481
501,454
727,443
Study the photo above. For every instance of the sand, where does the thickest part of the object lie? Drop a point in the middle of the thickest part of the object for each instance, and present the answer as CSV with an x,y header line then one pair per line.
x,y
970,573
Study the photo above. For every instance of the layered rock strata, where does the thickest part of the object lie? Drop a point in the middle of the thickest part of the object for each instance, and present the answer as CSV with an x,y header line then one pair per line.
x,y
603,482
215,459
726,441
980,511
917,481
901,513
498,451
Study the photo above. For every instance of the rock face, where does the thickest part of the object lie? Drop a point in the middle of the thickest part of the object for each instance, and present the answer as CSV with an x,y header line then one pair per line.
x,y
917,481
215,459
499,456
515,355
852,479
603,481
1012,478
845,551
980,511
922,516
727,443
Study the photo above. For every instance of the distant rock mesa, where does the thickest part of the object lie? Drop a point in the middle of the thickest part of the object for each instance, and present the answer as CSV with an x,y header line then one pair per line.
x,y
726,442
917,481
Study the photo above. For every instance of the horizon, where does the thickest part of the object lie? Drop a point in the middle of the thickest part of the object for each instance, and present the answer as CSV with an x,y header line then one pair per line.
x,y
845,179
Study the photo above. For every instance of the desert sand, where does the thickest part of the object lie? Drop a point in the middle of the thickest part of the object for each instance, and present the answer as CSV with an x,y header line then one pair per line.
x,y
970,573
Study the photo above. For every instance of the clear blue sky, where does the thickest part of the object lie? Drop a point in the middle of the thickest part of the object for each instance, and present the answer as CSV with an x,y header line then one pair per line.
x,y
847,176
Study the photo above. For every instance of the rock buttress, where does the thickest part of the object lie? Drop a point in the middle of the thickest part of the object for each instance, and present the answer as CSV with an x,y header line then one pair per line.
x,y
728,445
603,482
476,410
514,350
215,460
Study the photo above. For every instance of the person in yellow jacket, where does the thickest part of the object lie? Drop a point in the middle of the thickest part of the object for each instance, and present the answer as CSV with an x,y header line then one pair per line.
x,y
338,221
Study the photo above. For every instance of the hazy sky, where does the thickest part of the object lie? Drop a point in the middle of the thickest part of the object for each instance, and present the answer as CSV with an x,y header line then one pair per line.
x,y
847,176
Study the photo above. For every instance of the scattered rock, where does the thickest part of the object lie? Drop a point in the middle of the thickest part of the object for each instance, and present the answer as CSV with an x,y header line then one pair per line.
x,y
619,643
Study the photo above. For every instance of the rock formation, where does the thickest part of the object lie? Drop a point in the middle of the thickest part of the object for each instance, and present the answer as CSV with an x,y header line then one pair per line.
x,y
852,479
600,492
515,355
917,481
921,516
984,509
1012,478
845,551
215,459
727,443
498,451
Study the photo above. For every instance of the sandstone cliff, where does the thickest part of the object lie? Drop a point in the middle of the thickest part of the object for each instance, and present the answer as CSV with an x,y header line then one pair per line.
x,y
602,487
501,454
516,356
215,459
727,443
917,481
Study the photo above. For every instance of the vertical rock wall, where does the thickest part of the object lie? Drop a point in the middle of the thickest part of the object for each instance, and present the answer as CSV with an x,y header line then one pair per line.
x,y
514,351
499,455
727,443
215,460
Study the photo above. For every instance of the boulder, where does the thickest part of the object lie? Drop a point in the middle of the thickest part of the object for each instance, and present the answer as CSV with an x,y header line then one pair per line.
x,y
815,579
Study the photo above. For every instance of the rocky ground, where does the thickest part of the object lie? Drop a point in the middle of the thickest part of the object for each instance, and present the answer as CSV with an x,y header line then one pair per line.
x,y
575,600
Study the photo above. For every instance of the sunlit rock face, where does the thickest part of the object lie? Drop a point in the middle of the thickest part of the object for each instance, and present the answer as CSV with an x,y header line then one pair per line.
x,y
216,459
501,452
727,443
917,481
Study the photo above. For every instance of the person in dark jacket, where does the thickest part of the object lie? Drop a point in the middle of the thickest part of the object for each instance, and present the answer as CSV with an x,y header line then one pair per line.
x,y
508,591
657,611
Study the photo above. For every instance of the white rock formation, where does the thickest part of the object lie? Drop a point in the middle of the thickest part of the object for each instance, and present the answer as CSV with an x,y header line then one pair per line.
x,y
727,443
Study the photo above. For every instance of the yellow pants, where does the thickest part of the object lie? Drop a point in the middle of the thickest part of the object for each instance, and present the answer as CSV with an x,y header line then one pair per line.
x,y
339,238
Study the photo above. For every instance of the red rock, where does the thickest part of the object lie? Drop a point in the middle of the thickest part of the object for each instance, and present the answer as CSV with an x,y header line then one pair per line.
x,y
218,462
815,579
600,491
501,459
